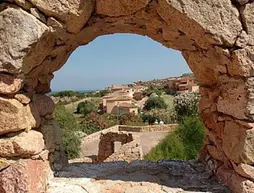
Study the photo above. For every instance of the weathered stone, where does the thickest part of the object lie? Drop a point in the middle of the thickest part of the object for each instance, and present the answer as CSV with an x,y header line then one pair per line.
x,y
9,84
52,22
119,7
245,170
75,14
52,135
44,156
22,98
235,182
24,4
44,104
242,62
22,145
35,12
224,25
15,117
238,143
19,31
247,14
233,99
242,40
242,2
4,164
25,176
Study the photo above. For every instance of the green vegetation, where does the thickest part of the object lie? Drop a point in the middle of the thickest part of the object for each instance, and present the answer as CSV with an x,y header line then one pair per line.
x,y
168,99
100,93
131,119
87,107
155,102
187,74
186,105
153,89
164,115
70,128
67,93
182,144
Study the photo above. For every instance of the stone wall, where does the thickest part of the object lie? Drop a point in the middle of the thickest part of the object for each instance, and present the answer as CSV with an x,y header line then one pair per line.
x,y
30,143
129,150
215,37
147,128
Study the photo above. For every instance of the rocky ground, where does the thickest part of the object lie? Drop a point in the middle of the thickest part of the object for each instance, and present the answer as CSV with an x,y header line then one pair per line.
x,y
136,177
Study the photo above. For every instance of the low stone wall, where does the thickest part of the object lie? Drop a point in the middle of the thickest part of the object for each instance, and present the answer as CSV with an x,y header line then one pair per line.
x,y
130,147
96,136
167,127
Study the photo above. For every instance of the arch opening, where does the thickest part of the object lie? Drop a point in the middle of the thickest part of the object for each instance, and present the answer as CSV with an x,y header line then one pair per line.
x,y
215,38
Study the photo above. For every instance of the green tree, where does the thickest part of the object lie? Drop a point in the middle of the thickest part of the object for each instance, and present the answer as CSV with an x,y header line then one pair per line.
x,y
70,128
155,102
87,107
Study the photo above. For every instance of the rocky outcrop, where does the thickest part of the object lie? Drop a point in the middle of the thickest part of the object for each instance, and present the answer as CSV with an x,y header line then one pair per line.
x,y
137,176
215,37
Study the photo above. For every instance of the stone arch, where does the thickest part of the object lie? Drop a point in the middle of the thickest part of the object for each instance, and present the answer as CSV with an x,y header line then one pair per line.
x,y
215,37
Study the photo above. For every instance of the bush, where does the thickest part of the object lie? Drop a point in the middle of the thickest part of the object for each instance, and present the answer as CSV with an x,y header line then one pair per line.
x,y
67,93
186,105
87,107
182,144
130,119
89,128
70,128
164,115
153,89
155,102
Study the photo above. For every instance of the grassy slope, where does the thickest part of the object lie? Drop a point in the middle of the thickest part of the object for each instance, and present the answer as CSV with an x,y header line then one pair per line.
x,y
182,144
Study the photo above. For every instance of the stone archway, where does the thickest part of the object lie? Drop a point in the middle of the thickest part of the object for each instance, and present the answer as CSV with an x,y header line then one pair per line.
x,y
36,37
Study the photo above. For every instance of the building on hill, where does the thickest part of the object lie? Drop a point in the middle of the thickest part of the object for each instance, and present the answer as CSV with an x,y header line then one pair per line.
x,y
125,108
115,88
113,104
183,84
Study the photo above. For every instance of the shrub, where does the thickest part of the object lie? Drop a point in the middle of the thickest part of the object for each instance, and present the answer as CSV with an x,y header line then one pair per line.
x,y
67,93
89,128
130,119
164,115
182,144
153,89
94,122
87,107
155,102
70,128
186,105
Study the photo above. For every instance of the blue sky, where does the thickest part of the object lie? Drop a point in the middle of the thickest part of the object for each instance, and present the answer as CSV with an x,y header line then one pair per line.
x,y
118,59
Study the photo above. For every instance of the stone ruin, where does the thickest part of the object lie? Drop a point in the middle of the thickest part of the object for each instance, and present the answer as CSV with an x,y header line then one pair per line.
x,y
216,38
129,150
